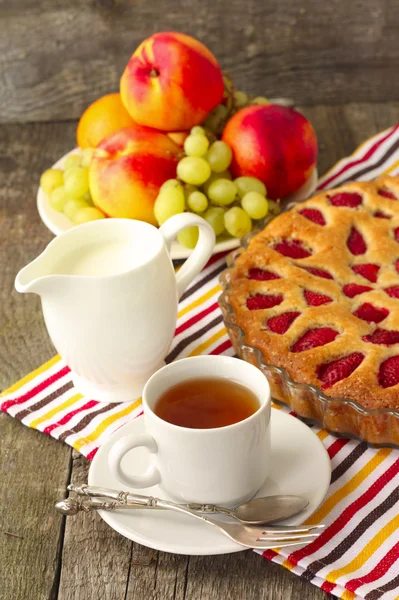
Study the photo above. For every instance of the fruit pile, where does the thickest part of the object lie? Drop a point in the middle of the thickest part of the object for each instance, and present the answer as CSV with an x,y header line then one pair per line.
x,y
178,138
204,186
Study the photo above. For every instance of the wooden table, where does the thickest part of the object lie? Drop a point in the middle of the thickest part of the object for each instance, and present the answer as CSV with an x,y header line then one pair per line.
x,y
337,59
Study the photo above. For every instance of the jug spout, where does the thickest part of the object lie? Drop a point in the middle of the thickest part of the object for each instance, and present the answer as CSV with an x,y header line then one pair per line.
x,y
35,278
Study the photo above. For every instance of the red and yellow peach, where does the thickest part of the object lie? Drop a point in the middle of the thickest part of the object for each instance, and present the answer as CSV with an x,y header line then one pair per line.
x,y
127,169
171,82
179,137
274,144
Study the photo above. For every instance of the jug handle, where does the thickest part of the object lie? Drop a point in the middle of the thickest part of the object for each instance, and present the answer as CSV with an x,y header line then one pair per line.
x,y
200,254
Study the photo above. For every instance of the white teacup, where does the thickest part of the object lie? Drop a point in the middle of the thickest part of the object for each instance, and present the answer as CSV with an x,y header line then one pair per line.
x,y
225,465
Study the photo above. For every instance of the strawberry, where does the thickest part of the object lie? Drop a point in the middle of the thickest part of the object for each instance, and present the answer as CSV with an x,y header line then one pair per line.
x,y
393,291
349,199
380,215
292,249
353,289
261,301
368,271
371,313
396,233
315,299
318,272
385,337
281,323
388,374
356,243
331,373
314,338
387,194
261,274
313,215
397,265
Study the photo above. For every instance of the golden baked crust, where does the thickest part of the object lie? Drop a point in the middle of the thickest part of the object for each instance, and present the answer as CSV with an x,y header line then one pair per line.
x,y
362,233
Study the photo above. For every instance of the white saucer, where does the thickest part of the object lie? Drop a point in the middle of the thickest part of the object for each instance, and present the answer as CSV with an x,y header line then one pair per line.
x,y
300,465
57,222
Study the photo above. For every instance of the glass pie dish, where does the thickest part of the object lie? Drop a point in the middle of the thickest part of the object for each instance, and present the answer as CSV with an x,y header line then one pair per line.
x,y
343,417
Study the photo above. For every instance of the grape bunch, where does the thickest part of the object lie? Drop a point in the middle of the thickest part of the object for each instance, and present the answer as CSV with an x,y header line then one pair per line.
x,y
205,186
68,190
233,101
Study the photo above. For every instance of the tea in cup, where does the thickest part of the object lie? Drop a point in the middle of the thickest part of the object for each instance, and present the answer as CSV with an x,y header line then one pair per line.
x,y
203,447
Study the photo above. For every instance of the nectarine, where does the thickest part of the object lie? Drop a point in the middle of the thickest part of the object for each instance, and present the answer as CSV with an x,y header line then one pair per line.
x,y
172,82
274,144
178,137
128,168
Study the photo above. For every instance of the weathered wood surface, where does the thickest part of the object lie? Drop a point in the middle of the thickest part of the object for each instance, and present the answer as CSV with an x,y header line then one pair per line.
x,y
88,560
58,56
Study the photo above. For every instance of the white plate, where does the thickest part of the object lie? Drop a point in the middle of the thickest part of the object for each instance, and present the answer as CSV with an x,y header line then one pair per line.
x,y
300,465
57,222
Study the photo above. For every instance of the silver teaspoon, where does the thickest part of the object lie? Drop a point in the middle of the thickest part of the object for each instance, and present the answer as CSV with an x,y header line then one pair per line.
x,y
268,509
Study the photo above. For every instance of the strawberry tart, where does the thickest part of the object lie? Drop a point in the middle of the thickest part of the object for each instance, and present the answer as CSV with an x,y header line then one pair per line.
x,y
317,293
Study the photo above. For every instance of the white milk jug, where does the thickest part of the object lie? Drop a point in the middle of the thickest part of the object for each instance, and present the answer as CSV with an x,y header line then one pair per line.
x,y
109,296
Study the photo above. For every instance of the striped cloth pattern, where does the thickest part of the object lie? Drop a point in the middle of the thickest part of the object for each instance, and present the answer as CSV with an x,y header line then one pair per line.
x,y
357,555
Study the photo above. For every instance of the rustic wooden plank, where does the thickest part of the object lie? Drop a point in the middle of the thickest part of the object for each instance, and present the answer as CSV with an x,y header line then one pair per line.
x,y
340,129
34,471
57,57
26,150
96,559
247,576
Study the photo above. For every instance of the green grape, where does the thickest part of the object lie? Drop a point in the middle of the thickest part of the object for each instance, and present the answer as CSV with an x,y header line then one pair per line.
x,y
189,189
216,119
260,100
76,181
219,156
170,183
215,217
87,155
241,99
197,202
228,93
71,207
188,237
84,215
58,198
237,222
51,179
168,203
73,160
196,145
213,177
211,136
255,205
194,170
222,192
274,208
249,184
198,130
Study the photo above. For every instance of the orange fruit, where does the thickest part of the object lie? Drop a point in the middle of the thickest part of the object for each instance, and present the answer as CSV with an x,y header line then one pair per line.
x,y
104,116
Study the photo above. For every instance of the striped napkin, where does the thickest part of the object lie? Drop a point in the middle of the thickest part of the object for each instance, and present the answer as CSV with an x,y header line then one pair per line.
x,y
357,554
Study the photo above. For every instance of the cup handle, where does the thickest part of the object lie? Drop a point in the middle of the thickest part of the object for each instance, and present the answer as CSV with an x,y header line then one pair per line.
x,y
201,253
150,477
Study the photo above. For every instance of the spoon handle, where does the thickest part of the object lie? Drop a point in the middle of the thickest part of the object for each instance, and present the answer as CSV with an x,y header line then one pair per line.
x,y
127,498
